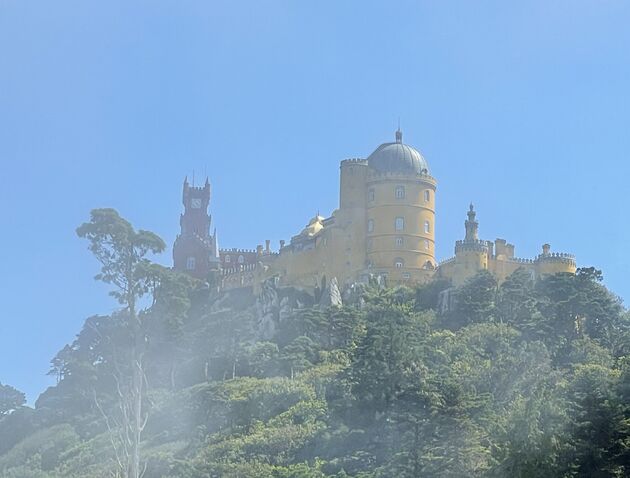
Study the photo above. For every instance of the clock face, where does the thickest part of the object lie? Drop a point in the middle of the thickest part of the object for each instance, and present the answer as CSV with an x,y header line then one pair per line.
x,y
195,203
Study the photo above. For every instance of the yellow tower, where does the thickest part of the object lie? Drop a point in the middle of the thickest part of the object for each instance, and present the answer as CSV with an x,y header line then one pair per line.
x,y
400,210
472,253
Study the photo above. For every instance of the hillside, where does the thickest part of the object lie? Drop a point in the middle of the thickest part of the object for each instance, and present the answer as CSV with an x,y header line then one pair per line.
x,y
519,379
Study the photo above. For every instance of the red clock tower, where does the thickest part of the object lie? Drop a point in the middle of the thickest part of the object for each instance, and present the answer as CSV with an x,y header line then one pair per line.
x,y
195,250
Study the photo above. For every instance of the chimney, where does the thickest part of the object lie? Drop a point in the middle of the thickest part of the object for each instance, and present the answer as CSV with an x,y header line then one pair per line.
x,y
259,250
267,243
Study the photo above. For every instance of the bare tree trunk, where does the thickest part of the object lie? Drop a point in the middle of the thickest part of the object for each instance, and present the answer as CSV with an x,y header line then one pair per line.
x,y
137,383
172,375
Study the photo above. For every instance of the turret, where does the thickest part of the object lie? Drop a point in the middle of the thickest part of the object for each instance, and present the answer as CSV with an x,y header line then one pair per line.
x,y
471,253
471,225
400,213
195,250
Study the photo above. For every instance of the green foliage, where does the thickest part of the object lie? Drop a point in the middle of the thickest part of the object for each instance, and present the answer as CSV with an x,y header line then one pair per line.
x,y
40,452
10,399
527,378
121,251
476,301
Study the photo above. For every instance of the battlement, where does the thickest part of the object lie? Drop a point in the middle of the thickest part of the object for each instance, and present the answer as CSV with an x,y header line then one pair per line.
x,y
471,245
196,188
561,257
358,161
517,260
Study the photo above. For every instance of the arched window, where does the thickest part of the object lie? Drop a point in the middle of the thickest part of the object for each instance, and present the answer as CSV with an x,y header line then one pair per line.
x,y
399,263
370,244
370,225
400,192
190,264
228,259
426,245
241,259
427,227
400,241
427,195
399,224
370,195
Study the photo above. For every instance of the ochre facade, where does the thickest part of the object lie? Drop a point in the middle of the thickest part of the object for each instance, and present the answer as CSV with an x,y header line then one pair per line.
x,y
384,227
473,255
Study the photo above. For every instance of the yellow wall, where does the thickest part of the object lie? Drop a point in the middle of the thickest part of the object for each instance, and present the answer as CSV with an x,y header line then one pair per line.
x,y
465,265
383,207
342,246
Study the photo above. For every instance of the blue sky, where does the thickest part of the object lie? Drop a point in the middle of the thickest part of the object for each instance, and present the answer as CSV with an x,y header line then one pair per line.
x,y
521,107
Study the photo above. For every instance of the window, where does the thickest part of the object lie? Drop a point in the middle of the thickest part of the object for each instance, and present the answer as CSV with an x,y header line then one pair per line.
x,y
406,275
190,264
426,245
399,263
228,259
370,225
371,195
427,196
241,259
400,192
370,244
427,227
400,241
399,224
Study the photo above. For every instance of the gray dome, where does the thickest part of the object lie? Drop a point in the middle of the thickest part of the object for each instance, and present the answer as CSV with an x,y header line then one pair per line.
x,y
397,158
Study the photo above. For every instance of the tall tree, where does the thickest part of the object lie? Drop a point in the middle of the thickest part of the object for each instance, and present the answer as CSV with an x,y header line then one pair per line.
x,y
122,251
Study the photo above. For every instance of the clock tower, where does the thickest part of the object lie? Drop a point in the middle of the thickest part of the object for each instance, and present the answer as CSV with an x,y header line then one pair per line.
x,y
195,250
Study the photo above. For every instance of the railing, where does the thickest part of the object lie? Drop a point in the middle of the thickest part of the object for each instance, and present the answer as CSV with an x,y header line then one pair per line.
x,y
238,251
519,260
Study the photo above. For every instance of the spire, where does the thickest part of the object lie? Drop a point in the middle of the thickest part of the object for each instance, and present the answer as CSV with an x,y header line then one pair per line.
x,y
399,135
207,182
471,225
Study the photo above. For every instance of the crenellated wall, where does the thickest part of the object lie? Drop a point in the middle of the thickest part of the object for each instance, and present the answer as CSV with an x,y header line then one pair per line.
x,y
385,226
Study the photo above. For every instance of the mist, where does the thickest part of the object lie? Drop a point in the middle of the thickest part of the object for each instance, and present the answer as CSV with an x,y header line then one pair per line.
x,y
330,240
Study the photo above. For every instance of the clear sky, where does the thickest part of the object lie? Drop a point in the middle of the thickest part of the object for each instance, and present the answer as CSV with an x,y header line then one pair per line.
x,y
521,107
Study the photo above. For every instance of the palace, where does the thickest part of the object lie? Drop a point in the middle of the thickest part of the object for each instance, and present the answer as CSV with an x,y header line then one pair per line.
x,y
384,227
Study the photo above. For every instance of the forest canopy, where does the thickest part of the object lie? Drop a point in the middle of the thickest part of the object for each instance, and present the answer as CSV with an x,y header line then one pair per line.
x,y
527,378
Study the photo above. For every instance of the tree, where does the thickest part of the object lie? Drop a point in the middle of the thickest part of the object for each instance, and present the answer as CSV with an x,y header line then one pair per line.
x,y
595,414
10,399
578,304
475,301
516,305
121,250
